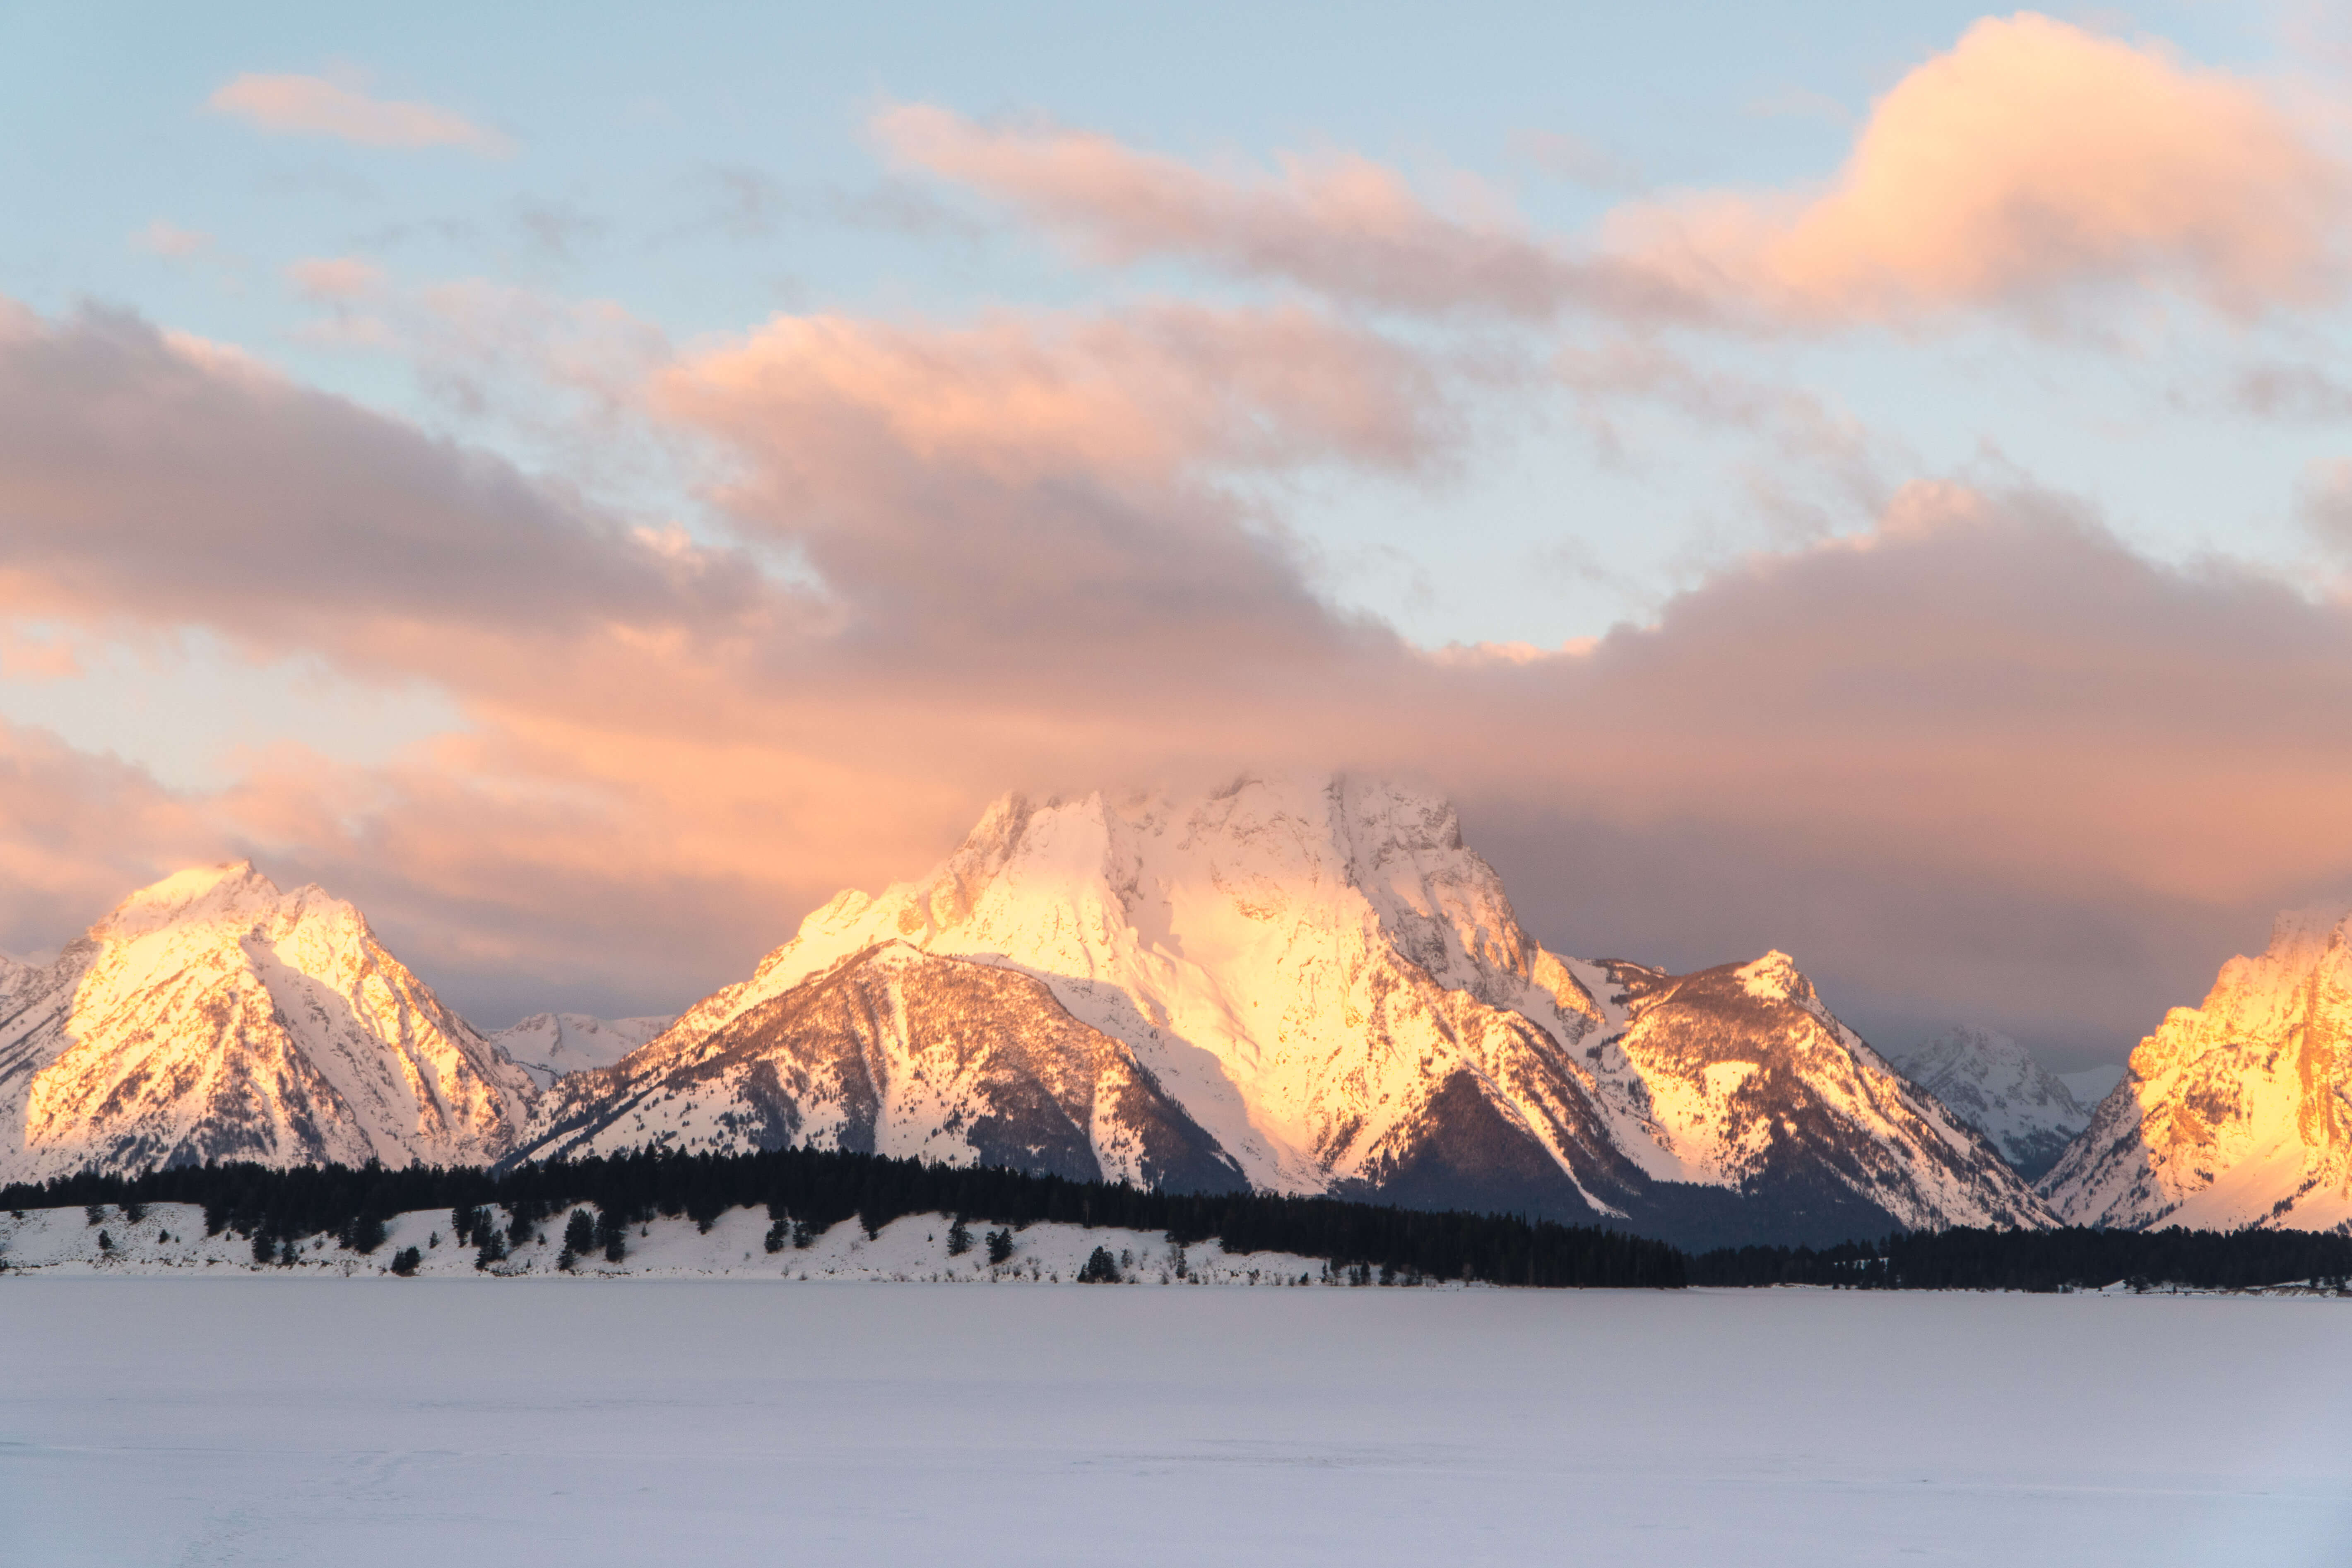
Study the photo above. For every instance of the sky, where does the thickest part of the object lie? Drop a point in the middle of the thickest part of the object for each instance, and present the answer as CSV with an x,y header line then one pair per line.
x,y
587,483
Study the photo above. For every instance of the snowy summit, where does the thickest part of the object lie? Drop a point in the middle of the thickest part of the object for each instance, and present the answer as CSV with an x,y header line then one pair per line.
x,y
210,1016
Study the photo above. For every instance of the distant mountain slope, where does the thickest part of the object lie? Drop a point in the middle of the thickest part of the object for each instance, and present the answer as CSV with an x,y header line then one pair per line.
x,y
2236,1112
1323,980
1991,1083
548,1045
210,1016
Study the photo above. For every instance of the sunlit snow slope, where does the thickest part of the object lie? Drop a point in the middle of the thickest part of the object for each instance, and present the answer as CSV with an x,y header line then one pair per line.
x,y
2237,1112
1319,979
212,1016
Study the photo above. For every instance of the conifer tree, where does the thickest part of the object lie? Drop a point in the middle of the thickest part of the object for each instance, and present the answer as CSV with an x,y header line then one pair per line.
x,y
958,1238
579,1232
999,1246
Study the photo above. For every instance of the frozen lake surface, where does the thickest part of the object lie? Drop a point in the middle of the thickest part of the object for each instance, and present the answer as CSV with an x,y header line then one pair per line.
x,y
458,1422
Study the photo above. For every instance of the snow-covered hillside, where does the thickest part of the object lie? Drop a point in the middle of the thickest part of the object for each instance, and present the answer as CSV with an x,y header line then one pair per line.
x,y
2237,1113
169,1238
1989,1083
212,1016
548,1045
1319,976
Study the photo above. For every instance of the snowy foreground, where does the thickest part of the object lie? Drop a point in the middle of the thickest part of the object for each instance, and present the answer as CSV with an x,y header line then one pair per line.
x,y
169,1238
301,1417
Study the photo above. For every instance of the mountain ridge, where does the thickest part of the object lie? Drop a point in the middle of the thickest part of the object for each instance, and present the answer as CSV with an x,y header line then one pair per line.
x,y
1330,984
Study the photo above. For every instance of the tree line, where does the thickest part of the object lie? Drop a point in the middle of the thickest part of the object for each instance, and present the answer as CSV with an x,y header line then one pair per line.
x,y
820,1188
806,1190
2075,1258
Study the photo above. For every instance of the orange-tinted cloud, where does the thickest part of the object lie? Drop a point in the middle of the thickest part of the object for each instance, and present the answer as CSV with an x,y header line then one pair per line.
x,y
335,279
316,106
1985,758
2031,159
1337,223
1029,477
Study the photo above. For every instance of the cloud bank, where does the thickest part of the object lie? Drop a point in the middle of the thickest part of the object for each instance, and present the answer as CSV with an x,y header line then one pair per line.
x,y
1982,757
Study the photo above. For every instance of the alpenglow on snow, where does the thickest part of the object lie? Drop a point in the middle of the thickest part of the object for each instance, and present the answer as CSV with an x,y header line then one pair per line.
x,y
2236,1112
1306,986
210,1016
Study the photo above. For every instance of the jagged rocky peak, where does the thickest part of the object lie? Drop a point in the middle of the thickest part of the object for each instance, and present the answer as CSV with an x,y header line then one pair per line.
x,y
1994,1085
2238,1112
212,1016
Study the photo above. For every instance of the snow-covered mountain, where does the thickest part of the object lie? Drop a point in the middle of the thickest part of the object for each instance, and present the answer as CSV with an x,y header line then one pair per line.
x,y
212,1016
548,1045
1991,1083
897,1052
2237,1113
1321,981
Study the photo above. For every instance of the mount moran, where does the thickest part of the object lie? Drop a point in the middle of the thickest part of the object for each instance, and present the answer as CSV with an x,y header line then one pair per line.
x,y
1300,986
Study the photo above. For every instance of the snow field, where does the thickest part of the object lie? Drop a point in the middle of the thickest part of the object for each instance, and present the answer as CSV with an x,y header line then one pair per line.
x,y
170,1238
306,1418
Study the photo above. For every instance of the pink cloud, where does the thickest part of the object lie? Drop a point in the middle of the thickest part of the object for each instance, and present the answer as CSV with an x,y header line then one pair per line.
x,y
2032,158
2030,161
1337,223
317,106
335,278
1968,760
164,238
1030,472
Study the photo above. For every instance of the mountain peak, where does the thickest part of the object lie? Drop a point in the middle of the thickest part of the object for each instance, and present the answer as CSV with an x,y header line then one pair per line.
x,y
2236,1113
1775,977
210,1016
230,891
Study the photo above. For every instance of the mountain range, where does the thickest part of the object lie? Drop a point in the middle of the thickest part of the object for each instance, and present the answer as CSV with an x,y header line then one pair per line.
x,y
1303,986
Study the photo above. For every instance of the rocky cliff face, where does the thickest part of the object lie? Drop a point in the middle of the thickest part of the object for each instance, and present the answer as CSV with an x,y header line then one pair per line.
x,y
1991,1083
210,1016
2237,1112
1320,978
